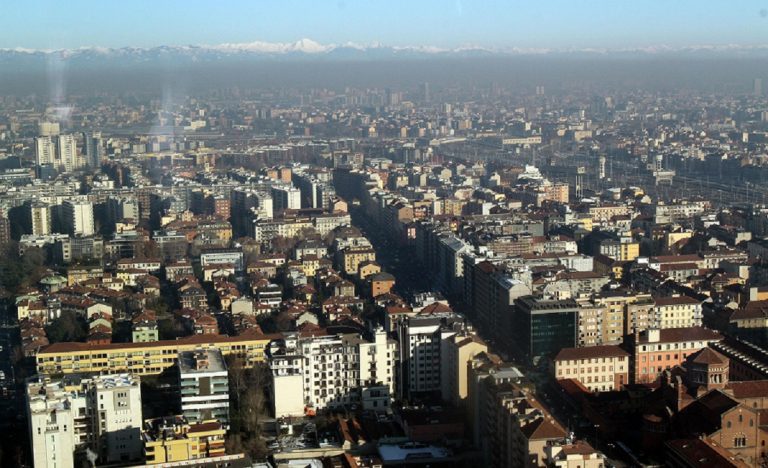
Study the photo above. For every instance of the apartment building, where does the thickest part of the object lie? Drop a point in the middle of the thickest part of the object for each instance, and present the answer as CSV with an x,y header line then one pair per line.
x,y
143,358
312,372
146,265
173,441
520,430
204,386
223,256
656,350
598,368
420,339
102,414
676,312
350,259
456,352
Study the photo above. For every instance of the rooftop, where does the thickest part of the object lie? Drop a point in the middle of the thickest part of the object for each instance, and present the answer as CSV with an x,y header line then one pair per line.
x,y
70,347
201,360
590,352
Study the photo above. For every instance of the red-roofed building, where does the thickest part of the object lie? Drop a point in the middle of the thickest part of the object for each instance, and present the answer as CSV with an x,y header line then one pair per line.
x,y
599,368
655,351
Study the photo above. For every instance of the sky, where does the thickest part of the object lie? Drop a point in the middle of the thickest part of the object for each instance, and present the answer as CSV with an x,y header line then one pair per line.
x,y
550,24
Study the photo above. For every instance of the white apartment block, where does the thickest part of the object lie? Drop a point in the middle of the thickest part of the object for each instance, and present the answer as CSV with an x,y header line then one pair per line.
x,y
45,150
40,218
66,149
78,217
420,339
285,198
223,256
204,386
316,372
101,413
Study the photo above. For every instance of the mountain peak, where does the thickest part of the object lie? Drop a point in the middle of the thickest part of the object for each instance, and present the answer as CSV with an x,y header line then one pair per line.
x,y
350,50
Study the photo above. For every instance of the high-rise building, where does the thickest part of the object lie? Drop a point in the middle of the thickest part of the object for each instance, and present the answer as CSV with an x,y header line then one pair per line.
x,y
94,148
78,217
426,96
39,217
121,208
66,150
52,414
316,372
601,167
203,380
45,151
421,338
545,326
285,198
102,414
455,355
5,228
757,87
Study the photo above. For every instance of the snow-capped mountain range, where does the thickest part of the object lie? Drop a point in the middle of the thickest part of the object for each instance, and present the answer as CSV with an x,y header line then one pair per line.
x,y
307,48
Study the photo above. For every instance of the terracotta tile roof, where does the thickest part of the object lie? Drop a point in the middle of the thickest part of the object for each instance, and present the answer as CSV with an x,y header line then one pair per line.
x,y
590,352
753,310
677,258
578,448
678,335
672,301
748,389
543,429
204,427
679,266
707,356
717,402
704,453
435,308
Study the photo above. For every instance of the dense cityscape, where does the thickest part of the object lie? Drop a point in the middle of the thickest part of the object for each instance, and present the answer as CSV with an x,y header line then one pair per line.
x,y
482,261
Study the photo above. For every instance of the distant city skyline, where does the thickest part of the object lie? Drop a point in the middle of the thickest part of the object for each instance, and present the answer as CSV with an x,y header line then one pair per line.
x,y
556,24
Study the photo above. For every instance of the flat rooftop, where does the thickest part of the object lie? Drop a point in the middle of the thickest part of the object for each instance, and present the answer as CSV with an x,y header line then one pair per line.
x,y
201,360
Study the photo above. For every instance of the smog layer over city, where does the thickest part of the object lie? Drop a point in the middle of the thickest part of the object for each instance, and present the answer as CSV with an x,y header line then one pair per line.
x,y
379,234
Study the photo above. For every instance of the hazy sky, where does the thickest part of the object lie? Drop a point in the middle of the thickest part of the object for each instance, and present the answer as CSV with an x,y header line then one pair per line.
x,y
449,23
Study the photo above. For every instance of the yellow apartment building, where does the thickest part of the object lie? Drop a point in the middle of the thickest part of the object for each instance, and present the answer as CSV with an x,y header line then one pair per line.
x,y
143,358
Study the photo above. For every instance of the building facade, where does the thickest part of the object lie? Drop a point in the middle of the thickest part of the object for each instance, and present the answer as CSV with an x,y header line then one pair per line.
x,y
204,384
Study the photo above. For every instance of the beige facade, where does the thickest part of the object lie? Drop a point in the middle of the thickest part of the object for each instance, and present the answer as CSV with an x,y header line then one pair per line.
x,y
599,368
457,352
677,312
351,259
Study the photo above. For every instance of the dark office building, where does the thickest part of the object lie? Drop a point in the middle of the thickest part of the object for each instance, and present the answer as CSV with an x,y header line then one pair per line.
x,y
544,326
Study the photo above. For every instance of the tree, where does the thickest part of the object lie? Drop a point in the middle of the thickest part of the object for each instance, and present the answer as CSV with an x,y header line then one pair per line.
x,y
19,271
281,244
159,305
68,327
247,388
283,321
148,249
